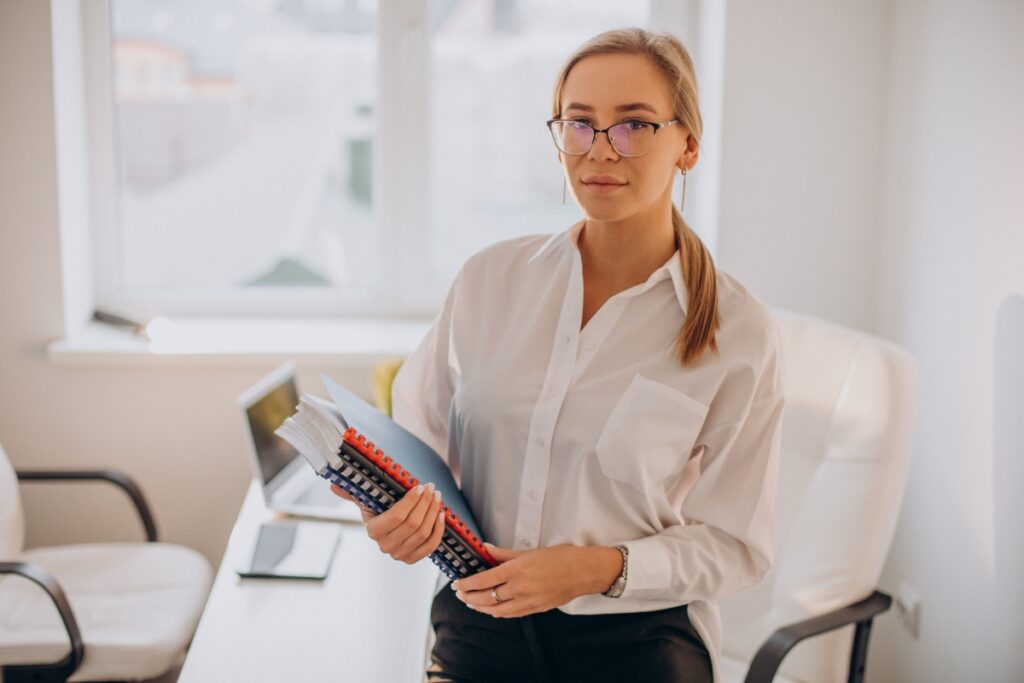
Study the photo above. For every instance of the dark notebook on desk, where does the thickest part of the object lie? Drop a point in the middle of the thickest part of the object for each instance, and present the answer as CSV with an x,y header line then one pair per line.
x,y
293,550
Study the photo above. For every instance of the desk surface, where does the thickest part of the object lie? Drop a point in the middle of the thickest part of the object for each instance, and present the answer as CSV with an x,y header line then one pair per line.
x,y
368,620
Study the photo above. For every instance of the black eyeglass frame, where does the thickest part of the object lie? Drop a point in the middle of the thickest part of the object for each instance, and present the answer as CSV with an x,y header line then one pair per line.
x,y
595,131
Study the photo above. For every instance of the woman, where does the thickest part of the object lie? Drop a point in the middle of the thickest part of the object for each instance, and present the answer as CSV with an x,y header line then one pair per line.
x,y
626,480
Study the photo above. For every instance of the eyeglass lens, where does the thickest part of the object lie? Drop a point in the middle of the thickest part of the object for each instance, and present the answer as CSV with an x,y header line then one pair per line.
x,y
628,138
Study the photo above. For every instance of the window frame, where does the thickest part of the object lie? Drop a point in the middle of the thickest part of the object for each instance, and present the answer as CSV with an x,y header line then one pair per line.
x,y
408,288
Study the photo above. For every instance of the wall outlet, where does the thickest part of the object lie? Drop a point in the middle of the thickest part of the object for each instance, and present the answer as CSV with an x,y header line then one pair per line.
x,y
908,606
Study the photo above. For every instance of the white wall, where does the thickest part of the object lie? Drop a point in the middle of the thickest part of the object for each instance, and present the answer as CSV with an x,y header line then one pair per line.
x,y
802,131
871,174
951,280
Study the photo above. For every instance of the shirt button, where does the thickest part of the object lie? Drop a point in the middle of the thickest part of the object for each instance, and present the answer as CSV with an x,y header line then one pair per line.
x,y
540,440
589,345
533,495
526,543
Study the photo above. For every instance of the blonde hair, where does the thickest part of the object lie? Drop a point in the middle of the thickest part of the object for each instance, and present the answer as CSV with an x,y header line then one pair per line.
x,y
670,56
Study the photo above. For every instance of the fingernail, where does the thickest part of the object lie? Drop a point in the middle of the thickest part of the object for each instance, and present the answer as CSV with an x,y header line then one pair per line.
x,y
455,585
430,486
437,496
419,489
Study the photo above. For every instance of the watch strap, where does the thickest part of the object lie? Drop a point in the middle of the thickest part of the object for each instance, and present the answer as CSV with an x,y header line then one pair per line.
x,y
619,585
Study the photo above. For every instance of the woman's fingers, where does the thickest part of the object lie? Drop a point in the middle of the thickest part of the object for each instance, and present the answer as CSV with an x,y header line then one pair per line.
x,y
410,529
397,541
341,493
408,549
363,510
414,520
394,517
383,523
435,537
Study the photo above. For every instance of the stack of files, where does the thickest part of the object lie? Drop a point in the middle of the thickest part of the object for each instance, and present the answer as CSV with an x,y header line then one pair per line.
x,y
376,460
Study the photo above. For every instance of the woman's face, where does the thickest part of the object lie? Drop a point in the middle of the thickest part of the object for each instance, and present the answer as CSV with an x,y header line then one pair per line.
x,y
605,90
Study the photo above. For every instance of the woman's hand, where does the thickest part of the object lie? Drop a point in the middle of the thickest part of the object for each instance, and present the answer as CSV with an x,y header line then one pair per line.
x,y
363,510
410,529
531,581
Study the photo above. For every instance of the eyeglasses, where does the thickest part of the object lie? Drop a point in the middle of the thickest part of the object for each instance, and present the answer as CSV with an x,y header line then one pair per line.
x,y
628,138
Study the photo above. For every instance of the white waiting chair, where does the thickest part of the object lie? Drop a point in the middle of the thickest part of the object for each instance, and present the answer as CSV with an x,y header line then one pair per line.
x,y
93,611
847,433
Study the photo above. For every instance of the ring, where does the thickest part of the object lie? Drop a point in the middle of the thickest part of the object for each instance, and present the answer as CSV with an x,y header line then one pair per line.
x,y
494,594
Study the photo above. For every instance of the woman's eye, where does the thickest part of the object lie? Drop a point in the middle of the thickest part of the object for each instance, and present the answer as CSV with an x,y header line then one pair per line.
x,y
635,124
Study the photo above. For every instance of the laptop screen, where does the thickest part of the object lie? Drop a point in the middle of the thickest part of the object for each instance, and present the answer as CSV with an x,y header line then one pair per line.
x,y
265,415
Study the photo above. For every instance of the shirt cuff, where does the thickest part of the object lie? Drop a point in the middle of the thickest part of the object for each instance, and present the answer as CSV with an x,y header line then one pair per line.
x,y
649,573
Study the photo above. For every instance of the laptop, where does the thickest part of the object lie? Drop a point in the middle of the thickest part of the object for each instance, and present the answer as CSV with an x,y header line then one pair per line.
x,y
289,484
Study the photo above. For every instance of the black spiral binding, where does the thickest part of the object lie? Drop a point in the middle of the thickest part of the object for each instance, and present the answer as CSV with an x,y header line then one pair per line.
x,y
377,491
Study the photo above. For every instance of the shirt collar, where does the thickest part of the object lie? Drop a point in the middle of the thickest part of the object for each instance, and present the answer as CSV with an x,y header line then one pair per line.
x,y
672,268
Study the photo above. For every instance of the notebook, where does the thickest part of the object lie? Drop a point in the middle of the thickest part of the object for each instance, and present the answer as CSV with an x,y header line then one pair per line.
x,y
293,550
376,460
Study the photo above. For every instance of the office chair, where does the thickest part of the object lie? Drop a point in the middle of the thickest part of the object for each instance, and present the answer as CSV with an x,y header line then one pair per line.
x,y
93,611
848,424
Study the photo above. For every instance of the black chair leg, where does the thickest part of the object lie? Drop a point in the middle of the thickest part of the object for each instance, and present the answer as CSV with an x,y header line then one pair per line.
x,y
859,652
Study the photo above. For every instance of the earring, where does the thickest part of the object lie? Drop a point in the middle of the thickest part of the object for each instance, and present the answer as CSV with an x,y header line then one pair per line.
x,y
682,202
563,190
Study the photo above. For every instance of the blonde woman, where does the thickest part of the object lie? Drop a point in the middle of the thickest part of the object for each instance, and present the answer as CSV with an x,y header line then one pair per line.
x,y
609,402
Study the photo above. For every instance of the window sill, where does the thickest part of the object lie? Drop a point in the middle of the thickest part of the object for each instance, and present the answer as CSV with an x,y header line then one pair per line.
x,y
242,341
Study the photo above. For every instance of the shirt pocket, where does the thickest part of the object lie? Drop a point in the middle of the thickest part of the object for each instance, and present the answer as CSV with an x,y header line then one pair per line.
x,y
650,433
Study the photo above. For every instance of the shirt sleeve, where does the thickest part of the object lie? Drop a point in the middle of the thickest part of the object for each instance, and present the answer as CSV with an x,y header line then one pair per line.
x,y
422,389
727,541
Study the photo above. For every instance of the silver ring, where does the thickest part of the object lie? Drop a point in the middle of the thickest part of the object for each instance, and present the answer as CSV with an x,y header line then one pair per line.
x,y
494,594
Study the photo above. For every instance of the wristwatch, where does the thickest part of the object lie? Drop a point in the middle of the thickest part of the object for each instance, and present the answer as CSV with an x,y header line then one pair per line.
x,y
620,581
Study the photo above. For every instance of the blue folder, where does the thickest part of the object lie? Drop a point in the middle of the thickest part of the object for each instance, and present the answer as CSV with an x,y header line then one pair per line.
x,y
414,455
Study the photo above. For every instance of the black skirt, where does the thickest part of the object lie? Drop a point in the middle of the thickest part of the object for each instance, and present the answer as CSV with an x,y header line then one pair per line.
x,y
555,647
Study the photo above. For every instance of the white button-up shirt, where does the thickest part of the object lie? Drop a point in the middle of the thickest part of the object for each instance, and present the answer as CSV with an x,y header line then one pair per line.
x,y
600,436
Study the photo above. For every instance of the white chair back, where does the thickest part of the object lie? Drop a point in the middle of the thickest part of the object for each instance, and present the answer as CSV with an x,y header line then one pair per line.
x,y
851,406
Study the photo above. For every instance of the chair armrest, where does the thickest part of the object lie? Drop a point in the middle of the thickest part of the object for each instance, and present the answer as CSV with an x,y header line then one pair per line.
x,y
115,477
37,574
769,657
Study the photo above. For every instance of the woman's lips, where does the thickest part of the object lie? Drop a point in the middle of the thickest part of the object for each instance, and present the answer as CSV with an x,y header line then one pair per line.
x,y
603,188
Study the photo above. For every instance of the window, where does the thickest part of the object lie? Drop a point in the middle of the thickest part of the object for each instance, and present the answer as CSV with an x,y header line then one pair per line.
x,y
242,135
494,173
321,156
242,138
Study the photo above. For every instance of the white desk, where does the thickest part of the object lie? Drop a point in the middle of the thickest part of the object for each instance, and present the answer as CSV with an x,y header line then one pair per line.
x,y
371,613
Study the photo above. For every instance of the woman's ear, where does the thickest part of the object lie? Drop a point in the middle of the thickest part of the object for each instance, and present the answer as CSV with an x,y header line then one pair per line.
x,y
688,157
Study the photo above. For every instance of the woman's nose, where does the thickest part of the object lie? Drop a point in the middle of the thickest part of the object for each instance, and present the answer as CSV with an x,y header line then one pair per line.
x,y
602,147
